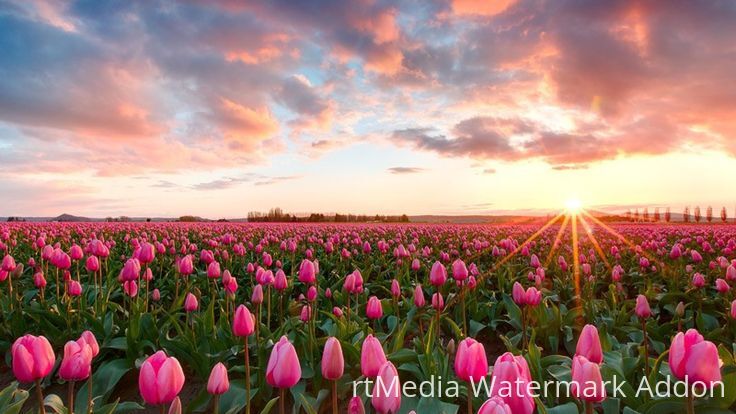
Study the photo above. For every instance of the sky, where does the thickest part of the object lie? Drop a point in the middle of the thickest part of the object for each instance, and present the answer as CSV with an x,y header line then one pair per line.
x,y
221,107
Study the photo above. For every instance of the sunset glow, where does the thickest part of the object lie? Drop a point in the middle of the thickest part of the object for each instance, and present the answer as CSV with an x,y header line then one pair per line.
x,y
445,107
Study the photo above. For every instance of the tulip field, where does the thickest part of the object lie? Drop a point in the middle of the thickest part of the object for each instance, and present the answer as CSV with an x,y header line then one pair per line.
x,y
368,318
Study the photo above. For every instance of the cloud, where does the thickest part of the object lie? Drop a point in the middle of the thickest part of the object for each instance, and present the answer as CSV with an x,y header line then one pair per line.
x,y
405,170
276,180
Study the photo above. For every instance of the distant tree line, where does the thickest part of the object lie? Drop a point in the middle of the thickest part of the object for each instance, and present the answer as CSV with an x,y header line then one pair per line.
x,y
687,216
278,215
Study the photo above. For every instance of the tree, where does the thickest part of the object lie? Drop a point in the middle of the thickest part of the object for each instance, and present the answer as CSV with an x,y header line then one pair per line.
x,y
646,214
667,215
628,215
697,215
709,214
636,215
724,214
686,215
657,217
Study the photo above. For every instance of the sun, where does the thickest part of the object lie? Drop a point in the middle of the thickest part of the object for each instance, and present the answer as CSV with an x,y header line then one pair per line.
x,y
573,205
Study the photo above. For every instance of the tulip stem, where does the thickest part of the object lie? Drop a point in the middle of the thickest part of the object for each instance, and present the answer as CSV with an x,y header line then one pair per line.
x,y
247,378
216,404
39,394
646,348
70,396
690,402
523,328
589,407
89,393
334,397
163,408
470,400
281,400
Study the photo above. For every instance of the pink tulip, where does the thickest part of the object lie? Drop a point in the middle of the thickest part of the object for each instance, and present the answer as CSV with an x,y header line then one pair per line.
x,y
507,370
337,312
587,382
92,264
160,379
642,309
471,364
438,302
386,397
39,281
147,253
306,313
33,358
438,274
307,273
698,280
731,273
589,345
8,263
459,270
74,288
257,296
373,309
131,270
186,266
395,289
213,270
312,293
156,295
694,358
419,297
722,286
218,382
355,406
280,282
130,288
283,370
191,303
518,294
175,407
333,363
532,297
495,405
89,338
76,364
243,322
372,357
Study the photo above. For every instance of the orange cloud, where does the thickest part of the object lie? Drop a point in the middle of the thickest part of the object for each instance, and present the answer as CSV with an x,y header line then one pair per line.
x,y
480,7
